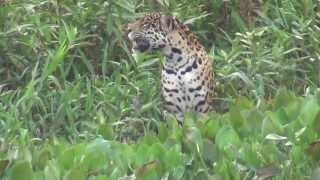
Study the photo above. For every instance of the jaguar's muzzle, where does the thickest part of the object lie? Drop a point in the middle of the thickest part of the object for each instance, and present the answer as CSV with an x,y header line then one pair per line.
x,y
141,44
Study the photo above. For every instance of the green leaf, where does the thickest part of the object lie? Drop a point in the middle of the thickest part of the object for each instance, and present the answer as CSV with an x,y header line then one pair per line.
x,y
163,132
254,119
292,110
174,163
52,171
157,151
106,131
209,151
249,154
236,117
75,174
71,156
284,98
148,106
244,103
227,137
21,170
95,154
56,59
309,111
212,128
148,170
71,32
178,172
316,124
141,155
43,158
271,123
99,145
94,160
173,159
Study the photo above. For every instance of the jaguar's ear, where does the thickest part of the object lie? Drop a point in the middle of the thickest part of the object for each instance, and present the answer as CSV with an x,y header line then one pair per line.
x,y
168,22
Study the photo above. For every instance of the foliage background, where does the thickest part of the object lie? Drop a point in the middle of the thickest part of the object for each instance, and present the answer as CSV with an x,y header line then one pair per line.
x,y
75,104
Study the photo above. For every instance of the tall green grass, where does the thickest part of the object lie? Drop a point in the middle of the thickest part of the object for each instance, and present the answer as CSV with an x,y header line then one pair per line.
x,y
67,77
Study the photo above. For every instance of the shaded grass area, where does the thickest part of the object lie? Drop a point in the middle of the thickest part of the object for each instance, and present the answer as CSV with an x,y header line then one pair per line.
x,y
75,104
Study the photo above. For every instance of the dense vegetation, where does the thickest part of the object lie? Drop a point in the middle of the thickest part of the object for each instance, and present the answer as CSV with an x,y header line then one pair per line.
x,y
75,103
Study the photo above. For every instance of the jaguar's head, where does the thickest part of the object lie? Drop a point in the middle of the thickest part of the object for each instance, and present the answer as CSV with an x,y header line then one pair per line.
x,y
150,32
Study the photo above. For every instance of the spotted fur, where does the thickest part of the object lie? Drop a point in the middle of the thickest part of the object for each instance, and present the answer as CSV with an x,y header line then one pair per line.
x,y
187,77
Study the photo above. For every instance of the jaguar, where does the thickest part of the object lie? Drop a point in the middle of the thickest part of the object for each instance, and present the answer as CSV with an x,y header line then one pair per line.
x,y
187,72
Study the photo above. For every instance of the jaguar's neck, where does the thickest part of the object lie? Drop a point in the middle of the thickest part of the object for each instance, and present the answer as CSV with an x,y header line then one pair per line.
x,y
175,55
182,47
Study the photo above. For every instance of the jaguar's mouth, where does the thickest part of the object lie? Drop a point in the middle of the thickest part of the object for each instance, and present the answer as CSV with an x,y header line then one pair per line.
x,y
139,44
